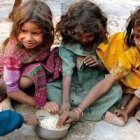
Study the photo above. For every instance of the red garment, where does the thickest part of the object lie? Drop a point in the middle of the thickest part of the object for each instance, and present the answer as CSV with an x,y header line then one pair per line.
x,y
17,62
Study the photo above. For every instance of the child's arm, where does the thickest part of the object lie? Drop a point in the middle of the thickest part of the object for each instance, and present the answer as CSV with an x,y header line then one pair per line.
x,y
21,97
97,91
66,83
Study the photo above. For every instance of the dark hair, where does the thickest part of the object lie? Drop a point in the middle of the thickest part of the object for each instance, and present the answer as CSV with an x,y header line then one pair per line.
x,y
133,21
82,17
40,13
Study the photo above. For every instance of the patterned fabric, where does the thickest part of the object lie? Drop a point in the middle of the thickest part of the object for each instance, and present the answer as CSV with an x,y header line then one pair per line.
x,y
18,61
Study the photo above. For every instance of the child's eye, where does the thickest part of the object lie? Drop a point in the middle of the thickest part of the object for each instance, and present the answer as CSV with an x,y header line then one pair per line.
x,y
23,31
136,36
36,33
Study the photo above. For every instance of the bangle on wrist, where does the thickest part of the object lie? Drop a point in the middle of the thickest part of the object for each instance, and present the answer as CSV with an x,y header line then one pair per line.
x,y
79,113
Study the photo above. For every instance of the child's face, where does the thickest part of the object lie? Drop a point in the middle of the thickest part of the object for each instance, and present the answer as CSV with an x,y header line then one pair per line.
x,y
30,35
137,37
84,38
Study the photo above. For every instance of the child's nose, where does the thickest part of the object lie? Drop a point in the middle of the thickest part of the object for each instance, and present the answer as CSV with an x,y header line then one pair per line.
x,y
29,36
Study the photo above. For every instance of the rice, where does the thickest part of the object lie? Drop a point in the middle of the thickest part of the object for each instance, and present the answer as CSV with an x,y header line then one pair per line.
x,y
50,122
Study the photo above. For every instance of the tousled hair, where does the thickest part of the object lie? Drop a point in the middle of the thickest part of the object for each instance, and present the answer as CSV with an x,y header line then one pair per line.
x,y
132,22
38,12
83,16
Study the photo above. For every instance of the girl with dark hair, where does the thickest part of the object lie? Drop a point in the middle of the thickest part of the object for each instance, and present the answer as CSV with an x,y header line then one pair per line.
x,y
27,59
82,29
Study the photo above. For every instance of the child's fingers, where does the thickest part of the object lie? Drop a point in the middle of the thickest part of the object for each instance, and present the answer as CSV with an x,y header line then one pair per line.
x,y
86,58
62,120
68,121
93,65
117,112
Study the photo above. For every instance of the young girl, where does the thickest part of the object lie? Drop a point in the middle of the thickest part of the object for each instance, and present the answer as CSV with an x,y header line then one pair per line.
x,y
126,69
27,57
82,29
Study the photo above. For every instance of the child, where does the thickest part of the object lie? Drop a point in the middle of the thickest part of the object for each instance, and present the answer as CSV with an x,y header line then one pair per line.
x,y
27,57
11,120
82,29
126,69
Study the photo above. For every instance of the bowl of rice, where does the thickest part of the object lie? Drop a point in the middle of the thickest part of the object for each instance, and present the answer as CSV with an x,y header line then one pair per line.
x,y
47,129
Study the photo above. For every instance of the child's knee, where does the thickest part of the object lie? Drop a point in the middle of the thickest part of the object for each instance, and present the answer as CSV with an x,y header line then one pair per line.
x,y
25,82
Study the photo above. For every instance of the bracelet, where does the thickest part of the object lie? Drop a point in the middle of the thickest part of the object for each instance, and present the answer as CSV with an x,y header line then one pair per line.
x,y
79,109
79,113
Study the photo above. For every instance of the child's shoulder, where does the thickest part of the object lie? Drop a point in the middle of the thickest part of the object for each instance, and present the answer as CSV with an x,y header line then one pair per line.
x,y
117,36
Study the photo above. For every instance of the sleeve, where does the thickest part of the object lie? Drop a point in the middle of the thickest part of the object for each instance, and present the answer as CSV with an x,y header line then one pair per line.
x,y
137,92
11,73
9,121
68,61
122,67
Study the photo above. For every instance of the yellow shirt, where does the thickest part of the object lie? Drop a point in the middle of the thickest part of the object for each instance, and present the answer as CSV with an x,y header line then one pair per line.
x,y
109,52
124,68
127,68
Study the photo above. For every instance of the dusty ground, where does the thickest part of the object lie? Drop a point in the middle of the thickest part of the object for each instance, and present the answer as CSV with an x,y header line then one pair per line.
x,y
117,12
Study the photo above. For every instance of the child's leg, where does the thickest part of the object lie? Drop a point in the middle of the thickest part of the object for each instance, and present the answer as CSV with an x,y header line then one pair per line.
x,y
125,100
37,74
25,82
5,105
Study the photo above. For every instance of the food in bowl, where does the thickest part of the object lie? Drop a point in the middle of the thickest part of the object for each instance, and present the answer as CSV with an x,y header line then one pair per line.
x,y
50,122
47,128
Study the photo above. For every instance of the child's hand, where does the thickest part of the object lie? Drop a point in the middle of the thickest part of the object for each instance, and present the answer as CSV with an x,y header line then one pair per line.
x,y
64,107
121,113
91,61
67,117
30,119
52,107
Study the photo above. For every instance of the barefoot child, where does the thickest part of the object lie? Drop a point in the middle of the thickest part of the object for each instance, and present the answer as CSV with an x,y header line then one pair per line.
x,y
82,29
27,59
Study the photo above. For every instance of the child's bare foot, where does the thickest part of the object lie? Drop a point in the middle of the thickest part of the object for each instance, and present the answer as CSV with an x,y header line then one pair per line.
x,y
124,101
113,119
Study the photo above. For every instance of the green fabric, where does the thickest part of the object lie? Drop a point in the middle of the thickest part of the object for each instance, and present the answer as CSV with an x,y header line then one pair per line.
x,y
83,80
